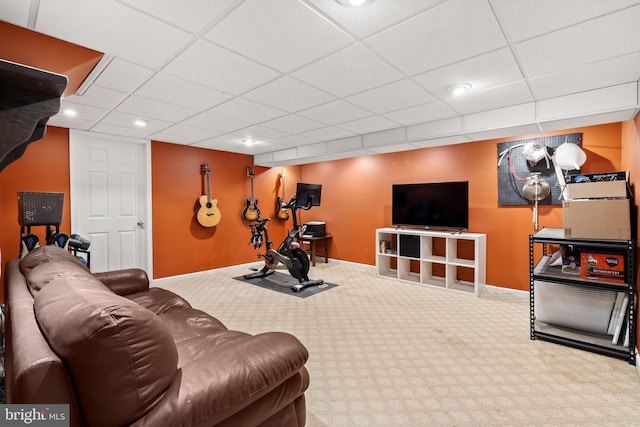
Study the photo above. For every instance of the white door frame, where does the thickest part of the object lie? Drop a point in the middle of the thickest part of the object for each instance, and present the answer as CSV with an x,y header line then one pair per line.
x,y
74,183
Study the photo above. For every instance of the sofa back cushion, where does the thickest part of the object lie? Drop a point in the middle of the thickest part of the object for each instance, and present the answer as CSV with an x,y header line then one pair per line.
x,y
120,356
45,263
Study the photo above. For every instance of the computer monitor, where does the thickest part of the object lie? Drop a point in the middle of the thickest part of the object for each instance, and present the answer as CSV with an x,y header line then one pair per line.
x,y
308,195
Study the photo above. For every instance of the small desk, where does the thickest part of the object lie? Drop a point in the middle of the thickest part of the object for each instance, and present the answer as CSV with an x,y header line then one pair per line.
x,y
313,247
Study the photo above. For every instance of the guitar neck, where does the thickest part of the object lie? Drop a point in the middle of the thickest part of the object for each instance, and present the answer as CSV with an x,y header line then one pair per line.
x,y
208,188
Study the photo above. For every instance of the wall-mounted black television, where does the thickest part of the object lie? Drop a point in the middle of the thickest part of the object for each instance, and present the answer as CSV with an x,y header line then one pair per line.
x,y
440,205
308,195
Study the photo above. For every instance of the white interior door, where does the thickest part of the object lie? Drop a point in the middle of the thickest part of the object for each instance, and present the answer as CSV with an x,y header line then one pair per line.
x,y
109,198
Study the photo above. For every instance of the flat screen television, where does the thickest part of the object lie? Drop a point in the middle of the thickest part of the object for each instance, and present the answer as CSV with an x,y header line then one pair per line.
x,y
440,205
308,195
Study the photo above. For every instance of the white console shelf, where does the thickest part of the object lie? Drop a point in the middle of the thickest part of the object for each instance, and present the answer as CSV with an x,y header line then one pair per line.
x,y
448,260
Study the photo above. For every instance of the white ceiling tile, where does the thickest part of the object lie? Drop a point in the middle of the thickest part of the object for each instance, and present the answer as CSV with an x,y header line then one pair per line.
x,y
589,120
293,124
83,112
15,12
525,19
125,120
123,76
489,99
435,129
501,117
62,121
503,132
288,154
394,96
221,142
375,16
582,44
345,144
188,134
392,148
369,124
247,111
482,72
436,142
166,88
335,112
152,109
327,133
215,122
421,113
351,154
218,68
623,69
189,15
619,97
288,94
454,31
349,71
139,38
312,150
387,137
104,127
97,96
295,140
282,34
260,133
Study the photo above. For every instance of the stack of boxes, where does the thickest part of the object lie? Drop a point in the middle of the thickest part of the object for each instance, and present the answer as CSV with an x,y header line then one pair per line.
x,y
598,208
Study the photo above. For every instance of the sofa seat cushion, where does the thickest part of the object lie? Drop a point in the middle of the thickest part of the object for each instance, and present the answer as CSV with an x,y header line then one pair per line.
x,y
223,374
45,263
158,300
121,357
190,323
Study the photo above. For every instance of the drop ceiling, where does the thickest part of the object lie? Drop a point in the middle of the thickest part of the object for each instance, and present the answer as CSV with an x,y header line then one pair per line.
x,y
313,80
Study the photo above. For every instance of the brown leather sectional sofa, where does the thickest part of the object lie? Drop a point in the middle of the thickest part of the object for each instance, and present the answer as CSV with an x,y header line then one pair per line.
x,y
122,353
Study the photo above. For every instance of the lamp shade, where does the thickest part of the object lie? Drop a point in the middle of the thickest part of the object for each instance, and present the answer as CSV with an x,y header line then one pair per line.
x,y
569,156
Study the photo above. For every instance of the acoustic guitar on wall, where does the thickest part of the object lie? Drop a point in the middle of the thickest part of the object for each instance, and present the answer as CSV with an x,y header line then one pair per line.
x,y
208,213
250,211
282,213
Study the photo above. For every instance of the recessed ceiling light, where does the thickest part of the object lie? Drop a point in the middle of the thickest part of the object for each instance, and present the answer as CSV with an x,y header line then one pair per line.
x,y
140,123
70,113
249,141
350,3
459,89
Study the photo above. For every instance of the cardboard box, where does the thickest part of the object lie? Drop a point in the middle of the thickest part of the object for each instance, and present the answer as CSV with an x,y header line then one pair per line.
x,y
597,190
599,176
606,267
607,219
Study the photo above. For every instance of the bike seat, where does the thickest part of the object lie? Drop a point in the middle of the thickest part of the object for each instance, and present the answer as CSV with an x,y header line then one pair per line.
x,y
262,220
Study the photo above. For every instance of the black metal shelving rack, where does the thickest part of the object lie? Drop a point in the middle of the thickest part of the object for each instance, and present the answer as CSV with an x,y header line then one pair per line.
x,y
539,271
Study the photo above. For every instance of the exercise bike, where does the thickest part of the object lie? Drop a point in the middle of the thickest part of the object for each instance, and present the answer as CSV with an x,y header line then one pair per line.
x,y
289,252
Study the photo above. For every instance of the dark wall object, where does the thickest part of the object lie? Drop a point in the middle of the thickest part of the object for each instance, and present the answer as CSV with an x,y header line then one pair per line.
x,y
510,188
28,98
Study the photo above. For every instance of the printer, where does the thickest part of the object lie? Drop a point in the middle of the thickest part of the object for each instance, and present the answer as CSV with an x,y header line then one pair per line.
x,y
315,229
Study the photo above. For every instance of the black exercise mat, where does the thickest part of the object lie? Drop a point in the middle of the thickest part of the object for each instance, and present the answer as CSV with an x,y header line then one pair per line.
x,y
282,282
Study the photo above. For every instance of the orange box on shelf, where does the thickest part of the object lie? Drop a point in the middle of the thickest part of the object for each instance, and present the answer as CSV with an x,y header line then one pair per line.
x,y
605,267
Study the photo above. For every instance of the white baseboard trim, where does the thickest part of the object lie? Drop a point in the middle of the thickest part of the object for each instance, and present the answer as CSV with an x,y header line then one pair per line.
x,y
169,279
500,290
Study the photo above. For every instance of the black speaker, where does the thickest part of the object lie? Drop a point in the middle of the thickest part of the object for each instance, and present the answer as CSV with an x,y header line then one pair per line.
x,y
410,246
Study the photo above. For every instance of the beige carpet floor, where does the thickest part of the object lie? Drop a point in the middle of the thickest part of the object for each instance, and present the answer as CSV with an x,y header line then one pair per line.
x,y
386,353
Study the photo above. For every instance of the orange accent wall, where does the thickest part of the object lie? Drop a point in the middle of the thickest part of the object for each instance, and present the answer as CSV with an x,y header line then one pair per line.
x,y
43,167
356,197
180,244
48,53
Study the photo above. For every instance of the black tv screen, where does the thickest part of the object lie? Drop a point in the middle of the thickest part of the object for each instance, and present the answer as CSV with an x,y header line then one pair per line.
x,y
442,205
308,195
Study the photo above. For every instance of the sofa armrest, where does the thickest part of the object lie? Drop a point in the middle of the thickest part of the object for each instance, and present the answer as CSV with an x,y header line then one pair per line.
x,y
223,382
124,282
